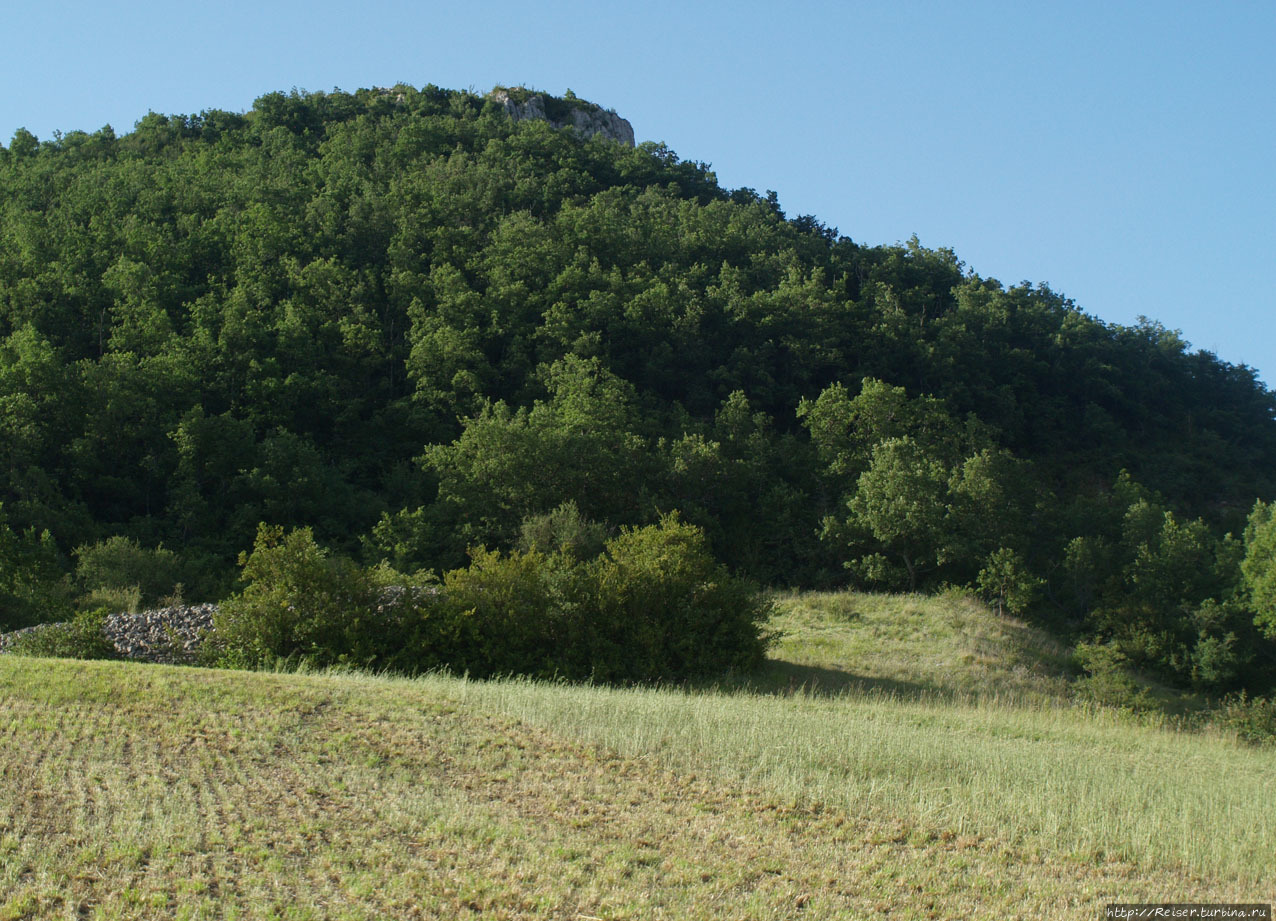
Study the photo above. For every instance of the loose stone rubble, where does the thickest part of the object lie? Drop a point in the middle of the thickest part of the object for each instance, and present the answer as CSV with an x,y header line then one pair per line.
x,y
170,635
173,635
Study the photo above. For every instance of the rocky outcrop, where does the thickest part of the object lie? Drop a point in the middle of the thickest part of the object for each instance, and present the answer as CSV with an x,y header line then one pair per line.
x,y
585,117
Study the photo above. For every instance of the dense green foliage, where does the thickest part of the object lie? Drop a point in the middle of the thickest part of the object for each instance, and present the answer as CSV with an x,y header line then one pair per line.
x,y
119,565
407,323
79,638
1259,565
302,605
31,585
653,604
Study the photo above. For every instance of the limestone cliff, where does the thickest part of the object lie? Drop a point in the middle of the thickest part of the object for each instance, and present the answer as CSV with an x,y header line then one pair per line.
x,y
570,112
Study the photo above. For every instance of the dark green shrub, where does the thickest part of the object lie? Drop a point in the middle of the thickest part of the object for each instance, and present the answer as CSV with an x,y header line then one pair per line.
x,y
300,605
659,606
655,605
1108,680
79,638
509,614
121,572
1253,719
32,587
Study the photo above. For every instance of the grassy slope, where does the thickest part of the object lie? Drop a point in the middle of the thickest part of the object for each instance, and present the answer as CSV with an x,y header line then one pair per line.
x,y
142,791
911,646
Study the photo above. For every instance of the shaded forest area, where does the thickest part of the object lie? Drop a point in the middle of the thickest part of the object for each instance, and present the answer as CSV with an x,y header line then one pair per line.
x,y
406,322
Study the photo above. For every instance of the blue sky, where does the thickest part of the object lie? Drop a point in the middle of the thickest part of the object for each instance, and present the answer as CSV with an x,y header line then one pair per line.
x,y
1122,152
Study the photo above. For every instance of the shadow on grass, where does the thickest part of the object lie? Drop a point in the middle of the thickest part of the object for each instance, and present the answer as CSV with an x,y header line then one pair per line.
x,y
785,679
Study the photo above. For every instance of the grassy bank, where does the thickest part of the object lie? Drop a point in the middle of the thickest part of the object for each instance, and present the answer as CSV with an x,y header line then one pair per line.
x,y
912,646
133,791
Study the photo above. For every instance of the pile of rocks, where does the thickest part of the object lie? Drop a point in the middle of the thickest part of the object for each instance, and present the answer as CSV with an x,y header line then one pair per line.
x,y
7,638
173,635
170,635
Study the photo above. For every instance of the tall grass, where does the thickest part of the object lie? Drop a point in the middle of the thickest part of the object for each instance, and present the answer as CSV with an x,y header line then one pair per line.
x,y
1089,783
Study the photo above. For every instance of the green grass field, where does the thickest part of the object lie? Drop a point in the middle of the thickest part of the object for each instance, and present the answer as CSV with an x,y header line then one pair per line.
x,y
900,757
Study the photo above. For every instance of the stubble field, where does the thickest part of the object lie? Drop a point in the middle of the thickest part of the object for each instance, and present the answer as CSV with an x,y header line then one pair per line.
x,y
857,777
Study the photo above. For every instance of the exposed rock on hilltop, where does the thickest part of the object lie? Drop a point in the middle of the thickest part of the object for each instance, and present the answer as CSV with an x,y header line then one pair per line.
x,y
586,117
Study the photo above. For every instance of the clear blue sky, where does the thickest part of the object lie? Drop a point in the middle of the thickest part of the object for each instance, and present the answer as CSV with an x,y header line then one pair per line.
x,y
1123,152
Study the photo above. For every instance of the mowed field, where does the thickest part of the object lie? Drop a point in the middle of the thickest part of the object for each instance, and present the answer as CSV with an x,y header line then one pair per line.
x,y
900,757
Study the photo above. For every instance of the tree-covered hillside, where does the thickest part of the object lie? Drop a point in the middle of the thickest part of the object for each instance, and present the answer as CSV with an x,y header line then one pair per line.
x,y
410,323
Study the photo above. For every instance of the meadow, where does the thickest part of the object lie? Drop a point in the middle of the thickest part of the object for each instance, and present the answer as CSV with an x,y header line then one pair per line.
x,y
901,757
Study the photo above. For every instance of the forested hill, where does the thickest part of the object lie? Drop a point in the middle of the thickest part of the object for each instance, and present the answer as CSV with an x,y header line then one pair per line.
x,y
408,321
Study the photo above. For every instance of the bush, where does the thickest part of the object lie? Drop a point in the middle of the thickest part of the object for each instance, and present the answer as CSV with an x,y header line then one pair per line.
x,y
1253,719
654,605
1007,583
1108,680
119,570
32,587
661,607
299,606
121,600
563,529
510,614
79,638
